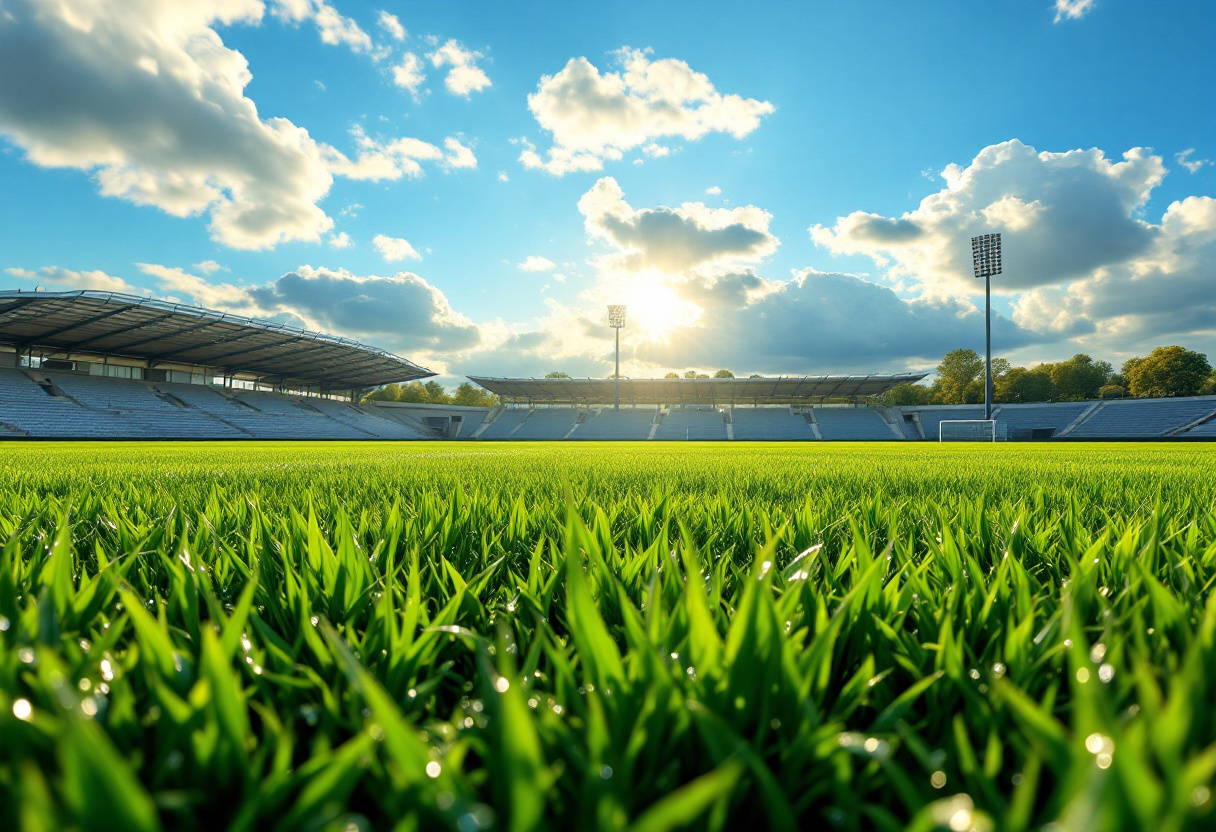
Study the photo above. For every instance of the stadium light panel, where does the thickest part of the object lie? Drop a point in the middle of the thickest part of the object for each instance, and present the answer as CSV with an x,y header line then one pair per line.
x,y
986,255
616,315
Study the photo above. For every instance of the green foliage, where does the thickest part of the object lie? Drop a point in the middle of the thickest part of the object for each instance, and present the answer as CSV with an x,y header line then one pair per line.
x,y
1111,391
959,370
1021,386
1168,371
904,395
724,374
1079,378
671,375
557,374
616,636
470,395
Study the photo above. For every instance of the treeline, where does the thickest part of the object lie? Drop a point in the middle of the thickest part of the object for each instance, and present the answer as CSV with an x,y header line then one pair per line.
x,y
1163,373
467,394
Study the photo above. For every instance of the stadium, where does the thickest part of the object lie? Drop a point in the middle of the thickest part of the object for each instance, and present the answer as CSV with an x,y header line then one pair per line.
x,y
881,499
97,365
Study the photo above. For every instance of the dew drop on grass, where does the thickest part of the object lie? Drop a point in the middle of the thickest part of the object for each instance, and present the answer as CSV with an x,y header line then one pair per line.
x,y
1097,653
938,779
502,684
433,769
1082,675
22,709
1106,672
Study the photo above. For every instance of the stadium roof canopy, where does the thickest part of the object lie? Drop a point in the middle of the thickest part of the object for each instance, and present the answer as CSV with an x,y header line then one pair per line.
x,y
712,391
162,333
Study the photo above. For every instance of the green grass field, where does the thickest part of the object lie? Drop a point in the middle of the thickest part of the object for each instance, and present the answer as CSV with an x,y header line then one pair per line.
x,y
616,636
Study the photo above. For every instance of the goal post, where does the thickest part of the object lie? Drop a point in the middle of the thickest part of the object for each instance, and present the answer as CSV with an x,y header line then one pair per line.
x,y
967,430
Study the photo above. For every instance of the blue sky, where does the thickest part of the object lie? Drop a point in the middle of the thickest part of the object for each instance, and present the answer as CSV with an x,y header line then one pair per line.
x,y
762,184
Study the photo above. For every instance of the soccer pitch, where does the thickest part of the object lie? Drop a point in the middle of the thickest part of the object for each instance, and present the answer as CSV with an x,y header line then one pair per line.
x,y
616,636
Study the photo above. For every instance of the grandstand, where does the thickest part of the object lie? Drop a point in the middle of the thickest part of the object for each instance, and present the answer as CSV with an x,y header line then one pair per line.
x,y
94,365
101,365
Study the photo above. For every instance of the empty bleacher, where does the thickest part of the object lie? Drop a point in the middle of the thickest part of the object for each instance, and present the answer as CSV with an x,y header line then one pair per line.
x,y
930,418
1144,417
547,423
1036,421
852,424
507,421
616,424
769,424
689,423
97,407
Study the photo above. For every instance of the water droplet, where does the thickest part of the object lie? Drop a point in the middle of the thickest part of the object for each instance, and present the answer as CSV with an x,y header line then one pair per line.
x,y
1097,653
1082,675
26,655
502,684
606,772
938,779
4,624
22,709
973,673
998,670
88,706
433,768
1201,795
1106,672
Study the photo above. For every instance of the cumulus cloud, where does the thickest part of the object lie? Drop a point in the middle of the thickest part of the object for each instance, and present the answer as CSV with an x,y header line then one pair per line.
x,y
145,96
393,249
1062,215
819,322
464,76
391,25
342,240
675,240
334,28
1072,9
536,264
409,74
1083,265
713,190
1193,165
210,267
402,310
594,116
56,277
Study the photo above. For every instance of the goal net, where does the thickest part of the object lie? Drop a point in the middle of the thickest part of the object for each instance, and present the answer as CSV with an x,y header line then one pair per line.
x,y
967,430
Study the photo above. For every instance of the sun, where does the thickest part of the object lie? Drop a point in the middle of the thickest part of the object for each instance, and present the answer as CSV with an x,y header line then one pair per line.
x,y
654,310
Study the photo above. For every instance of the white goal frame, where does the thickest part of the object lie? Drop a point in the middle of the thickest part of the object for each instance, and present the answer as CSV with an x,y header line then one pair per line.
x,y
970,430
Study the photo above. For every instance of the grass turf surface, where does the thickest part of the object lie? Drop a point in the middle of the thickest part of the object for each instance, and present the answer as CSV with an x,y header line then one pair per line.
x,y
618,636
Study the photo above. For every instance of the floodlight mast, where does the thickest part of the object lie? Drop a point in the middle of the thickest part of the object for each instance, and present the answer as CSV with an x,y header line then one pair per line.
x,y
986,261
616,320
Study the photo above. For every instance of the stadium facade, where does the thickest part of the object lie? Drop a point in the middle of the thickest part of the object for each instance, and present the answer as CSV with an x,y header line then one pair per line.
x,y
103,365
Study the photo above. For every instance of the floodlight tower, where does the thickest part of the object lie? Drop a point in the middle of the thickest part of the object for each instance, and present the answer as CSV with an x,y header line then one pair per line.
x,y
986,260
616,320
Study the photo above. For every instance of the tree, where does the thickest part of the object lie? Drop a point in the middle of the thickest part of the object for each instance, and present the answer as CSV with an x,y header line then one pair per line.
x,y
470,396
755,375
1111,391
903,395
958,370
690,374
435,393
1021,385
412,393
1167,371
672,375
1209,386
557,374
387,393
1079,378
724,374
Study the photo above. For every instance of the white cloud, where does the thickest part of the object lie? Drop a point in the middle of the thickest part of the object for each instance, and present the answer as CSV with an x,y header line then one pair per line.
x,y
68,279
656,151
1061,215
534,263
1193,165
392,159
393,249
351,210
502,176
335,29
175,283
391,25
145,96
675,240
409,73
1082,266
339,240
713,190
458,156
1072,9
465,76
594,117
210,267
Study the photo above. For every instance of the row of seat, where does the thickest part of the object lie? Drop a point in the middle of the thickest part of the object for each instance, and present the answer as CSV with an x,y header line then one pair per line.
x,y
66,405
